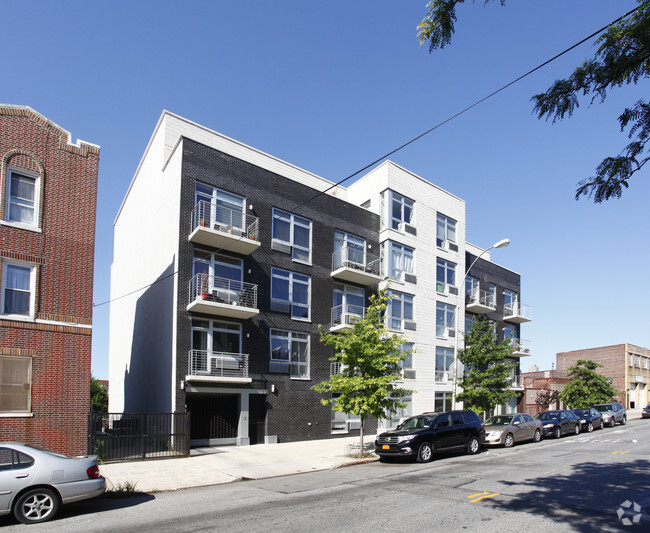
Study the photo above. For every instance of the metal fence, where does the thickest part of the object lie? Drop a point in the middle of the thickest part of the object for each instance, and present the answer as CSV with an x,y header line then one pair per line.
x,y
138,436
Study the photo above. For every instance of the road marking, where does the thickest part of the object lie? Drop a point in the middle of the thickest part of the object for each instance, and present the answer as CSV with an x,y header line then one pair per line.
x,y
482,495
621,452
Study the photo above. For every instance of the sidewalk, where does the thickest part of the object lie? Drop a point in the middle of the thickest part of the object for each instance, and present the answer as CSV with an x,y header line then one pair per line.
x,y
211,466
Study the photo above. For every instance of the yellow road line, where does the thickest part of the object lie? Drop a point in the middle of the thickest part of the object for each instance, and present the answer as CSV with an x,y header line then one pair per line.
x,y
478,494
621,452
485,495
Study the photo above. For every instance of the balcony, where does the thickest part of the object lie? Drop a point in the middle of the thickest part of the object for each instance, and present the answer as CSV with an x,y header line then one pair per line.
x,y
217,367
480,302
443,377
227,229
344,316
517,313
222,297
356,266
521,347
517,383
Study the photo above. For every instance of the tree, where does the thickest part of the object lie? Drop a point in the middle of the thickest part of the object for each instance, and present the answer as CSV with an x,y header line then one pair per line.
x,y
587,387
487,375
369,357
545,398
98,396
622,58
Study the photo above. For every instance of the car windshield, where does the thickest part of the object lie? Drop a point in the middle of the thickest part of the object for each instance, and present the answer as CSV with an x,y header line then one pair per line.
x,y
603,408
415,422
548,415
582,412
498,421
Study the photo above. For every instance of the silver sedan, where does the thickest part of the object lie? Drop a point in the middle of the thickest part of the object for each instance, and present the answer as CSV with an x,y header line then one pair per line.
x,y
505,430
34,482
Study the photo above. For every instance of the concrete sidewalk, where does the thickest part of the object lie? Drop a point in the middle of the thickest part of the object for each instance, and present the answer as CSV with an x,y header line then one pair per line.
x,y
211,466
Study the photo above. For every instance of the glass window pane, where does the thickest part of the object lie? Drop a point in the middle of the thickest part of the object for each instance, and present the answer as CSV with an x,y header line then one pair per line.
x,y
280,289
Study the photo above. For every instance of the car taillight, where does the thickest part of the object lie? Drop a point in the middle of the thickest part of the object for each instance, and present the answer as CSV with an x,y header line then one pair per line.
x,y
93,472
483,426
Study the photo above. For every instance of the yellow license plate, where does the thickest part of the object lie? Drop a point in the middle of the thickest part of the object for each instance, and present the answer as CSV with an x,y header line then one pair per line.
x,y
385,447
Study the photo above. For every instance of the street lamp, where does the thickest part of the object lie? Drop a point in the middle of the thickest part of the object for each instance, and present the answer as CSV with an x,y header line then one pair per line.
x,y
501,244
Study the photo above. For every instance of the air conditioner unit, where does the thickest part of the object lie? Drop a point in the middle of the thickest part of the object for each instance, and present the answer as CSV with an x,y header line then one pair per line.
x,y
354,424
451,332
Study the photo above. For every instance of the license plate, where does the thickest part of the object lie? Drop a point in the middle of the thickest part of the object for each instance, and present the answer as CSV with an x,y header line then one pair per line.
x,y
385,447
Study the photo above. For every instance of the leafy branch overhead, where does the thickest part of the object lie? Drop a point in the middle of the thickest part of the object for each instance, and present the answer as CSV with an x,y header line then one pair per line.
x,y
622,58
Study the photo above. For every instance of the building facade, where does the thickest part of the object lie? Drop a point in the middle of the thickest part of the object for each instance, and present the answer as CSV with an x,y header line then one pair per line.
x,y
627,366
48,194
233,259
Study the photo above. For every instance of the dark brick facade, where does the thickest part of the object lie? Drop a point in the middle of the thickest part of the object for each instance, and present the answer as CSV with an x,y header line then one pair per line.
x,y
294,411
61,249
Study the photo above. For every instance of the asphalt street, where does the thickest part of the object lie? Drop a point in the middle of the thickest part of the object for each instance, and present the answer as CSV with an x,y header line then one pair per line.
x,y
586,483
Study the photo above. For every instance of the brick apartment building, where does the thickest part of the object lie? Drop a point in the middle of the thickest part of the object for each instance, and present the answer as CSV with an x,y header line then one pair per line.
x,y
48,195
244,255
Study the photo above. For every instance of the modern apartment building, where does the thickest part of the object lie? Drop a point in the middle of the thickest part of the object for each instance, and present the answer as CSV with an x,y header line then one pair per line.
x,y
48,193
626,365
227,259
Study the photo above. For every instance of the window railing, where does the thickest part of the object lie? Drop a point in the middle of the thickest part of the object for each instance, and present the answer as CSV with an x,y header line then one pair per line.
x,y
354,258
222,290
226,220
480,297
517,309
347,315
442,376
217,364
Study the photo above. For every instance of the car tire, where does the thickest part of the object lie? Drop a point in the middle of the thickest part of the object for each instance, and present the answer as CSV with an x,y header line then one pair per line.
x,y
36,505
602,425
577,429
590,427
624,421
557,433
537,436
612,423
473,446
509,441
425,452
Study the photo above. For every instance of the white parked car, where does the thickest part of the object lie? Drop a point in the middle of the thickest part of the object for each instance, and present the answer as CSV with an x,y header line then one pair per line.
x,y
34,482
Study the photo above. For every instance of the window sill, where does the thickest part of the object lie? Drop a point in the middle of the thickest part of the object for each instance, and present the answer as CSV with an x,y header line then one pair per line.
x,y
300,379
16,415
20,225
19,318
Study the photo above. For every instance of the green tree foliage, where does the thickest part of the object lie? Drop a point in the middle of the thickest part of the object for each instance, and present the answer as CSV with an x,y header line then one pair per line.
x,y
622,58
98,396
486,379
369,357
587,387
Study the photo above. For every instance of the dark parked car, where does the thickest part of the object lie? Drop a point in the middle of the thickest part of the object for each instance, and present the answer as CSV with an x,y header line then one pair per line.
x,y
34,482
505,430
645,412
559,422
590,419
613,413
424,435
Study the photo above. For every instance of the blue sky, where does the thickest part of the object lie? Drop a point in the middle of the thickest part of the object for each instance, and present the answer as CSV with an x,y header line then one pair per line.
x,y
330,87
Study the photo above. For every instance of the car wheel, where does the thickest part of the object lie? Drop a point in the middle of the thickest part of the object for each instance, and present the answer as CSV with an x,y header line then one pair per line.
x,y
425,452
602,425
577,430
537,436
612,423
624,421
590,427
509,442
557,433
37,505
473,446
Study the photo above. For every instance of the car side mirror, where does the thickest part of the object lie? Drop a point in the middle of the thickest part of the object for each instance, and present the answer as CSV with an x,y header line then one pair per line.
x,y
516,423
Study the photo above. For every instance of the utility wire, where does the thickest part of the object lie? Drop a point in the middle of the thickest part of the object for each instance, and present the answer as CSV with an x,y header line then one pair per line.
x,y
456,115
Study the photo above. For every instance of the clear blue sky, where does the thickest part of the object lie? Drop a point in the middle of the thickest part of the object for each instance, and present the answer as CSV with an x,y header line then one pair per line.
x,y
331,86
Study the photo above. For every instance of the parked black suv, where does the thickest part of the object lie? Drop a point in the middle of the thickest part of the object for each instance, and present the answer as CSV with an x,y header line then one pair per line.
x,y
423,435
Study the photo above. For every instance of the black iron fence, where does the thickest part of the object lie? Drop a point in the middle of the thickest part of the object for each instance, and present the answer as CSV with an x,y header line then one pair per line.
x,y
137,436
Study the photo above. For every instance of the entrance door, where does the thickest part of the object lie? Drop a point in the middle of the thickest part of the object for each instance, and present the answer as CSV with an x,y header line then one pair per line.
x,y
256,418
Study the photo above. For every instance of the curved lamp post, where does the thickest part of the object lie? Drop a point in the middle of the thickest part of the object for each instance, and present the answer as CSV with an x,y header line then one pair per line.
x,y
501,244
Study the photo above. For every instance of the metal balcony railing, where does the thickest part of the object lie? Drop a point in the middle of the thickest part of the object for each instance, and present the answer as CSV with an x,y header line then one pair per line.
x,y
480,298
222,290
346,315
225,220
517,382
217,364
356,259
520,345
517,310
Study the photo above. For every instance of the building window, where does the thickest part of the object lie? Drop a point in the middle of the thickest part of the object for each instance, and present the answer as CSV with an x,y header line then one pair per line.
x,y
444,364
406,349
347,305
340,421
290,293
294,233
445,274
492,295
18,282
637,361
510,301
630,359
397,259
391,420
442,402
445,230
396,211
22,197
290,353
510,332
216,336
400,315
445,319
470,320
221,209
472,287
15,384
349,250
